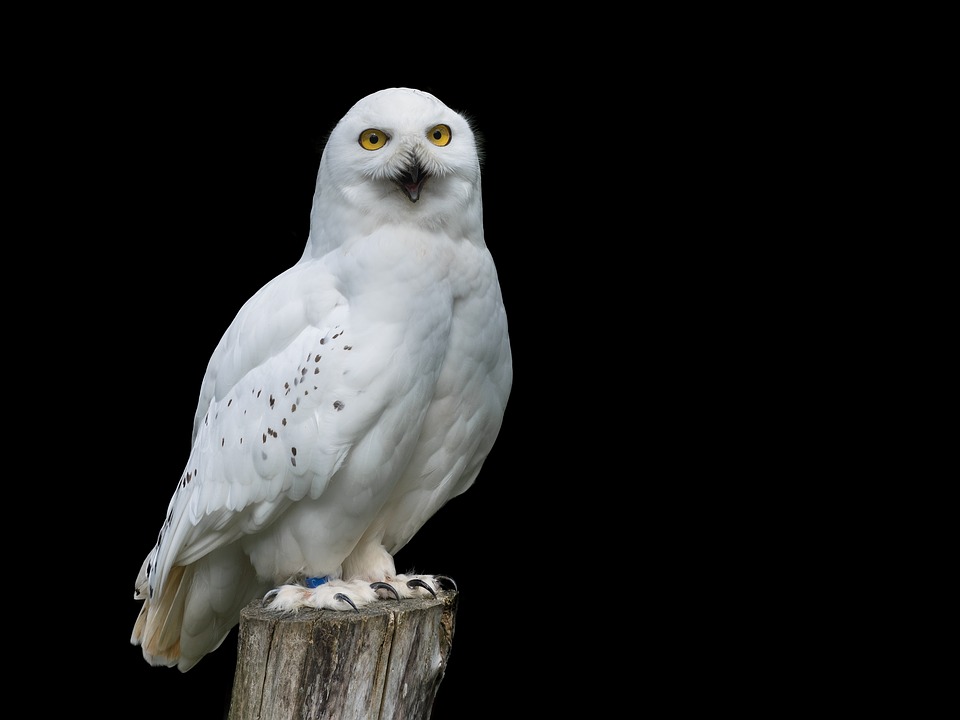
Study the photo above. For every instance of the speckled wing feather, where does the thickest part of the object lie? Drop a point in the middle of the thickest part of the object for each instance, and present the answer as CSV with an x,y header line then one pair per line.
x,y
244,468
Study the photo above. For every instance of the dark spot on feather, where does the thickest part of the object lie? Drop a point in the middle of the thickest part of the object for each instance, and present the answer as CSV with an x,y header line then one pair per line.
x,y
317,359
258,392
222,440
264,438
348,347
272,400
293,408
263,455
338,405
293,450
293,461
303,372
284,422
188,478
229,402
316,371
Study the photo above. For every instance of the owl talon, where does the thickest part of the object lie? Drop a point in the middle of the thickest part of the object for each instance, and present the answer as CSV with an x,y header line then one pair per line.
x,y
448,579
343,598
386,586
417,582
269,597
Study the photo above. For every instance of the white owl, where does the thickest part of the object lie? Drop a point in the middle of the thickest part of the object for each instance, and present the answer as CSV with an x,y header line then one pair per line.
x,y
351,397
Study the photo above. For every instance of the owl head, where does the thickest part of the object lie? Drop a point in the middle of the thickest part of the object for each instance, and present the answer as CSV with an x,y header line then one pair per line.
x,y
398,156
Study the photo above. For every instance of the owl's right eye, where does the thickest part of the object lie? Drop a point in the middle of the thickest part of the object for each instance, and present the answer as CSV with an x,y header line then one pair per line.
x,y
373,139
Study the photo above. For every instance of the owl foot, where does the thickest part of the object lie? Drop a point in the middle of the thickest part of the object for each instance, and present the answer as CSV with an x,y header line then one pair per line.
x,y
321,593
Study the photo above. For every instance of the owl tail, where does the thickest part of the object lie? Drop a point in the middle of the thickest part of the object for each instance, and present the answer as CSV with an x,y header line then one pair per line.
x,y
157,629
195,607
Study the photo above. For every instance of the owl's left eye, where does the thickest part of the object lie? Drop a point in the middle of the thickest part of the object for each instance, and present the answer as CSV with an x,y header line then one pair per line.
x,y
373,139
439,135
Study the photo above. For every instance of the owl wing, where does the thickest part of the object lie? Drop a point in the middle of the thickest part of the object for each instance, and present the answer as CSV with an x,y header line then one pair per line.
x,y
265,433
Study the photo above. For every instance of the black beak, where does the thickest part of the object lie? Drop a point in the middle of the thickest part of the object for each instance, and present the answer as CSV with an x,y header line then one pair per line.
x,y
411,181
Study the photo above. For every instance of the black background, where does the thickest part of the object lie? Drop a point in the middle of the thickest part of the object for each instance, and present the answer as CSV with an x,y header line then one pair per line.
x,y
197,186
163,173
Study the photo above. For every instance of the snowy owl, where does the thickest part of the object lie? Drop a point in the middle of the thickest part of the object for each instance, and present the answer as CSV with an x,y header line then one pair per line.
x,y
351,397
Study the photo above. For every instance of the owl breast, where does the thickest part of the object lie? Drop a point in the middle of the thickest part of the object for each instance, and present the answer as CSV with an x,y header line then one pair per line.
x,y
465,414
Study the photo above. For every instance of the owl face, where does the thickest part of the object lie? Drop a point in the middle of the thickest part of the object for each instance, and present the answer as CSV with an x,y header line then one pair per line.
x,y
402,151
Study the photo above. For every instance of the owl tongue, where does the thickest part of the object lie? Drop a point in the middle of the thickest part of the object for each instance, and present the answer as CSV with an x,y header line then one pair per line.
x,y
411,182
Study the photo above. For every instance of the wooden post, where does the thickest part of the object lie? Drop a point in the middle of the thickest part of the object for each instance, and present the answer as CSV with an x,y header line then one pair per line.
x,y
384,662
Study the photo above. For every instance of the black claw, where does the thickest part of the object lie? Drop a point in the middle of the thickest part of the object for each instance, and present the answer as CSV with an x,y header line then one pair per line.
x,y
386,586
343,598
449,580
417,582
269,597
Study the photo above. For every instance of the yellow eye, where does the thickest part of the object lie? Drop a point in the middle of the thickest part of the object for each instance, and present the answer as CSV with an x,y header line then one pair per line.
x,y
439,135
373,139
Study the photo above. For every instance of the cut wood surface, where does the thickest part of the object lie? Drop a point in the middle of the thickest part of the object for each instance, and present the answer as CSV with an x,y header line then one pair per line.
x,y
384,662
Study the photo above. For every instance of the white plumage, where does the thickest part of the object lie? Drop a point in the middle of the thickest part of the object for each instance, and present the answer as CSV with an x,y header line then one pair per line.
x,y
351,397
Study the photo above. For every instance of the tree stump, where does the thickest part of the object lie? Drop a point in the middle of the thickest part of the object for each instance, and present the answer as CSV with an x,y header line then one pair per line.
x,y
384,662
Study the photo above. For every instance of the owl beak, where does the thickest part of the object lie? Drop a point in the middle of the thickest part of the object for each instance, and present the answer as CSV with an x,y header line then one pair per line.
x,y
411,181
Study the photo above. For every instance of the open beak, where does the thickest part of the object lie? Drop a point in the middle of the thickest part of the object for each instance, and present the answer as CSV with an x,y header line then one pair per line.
x,y
411,181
